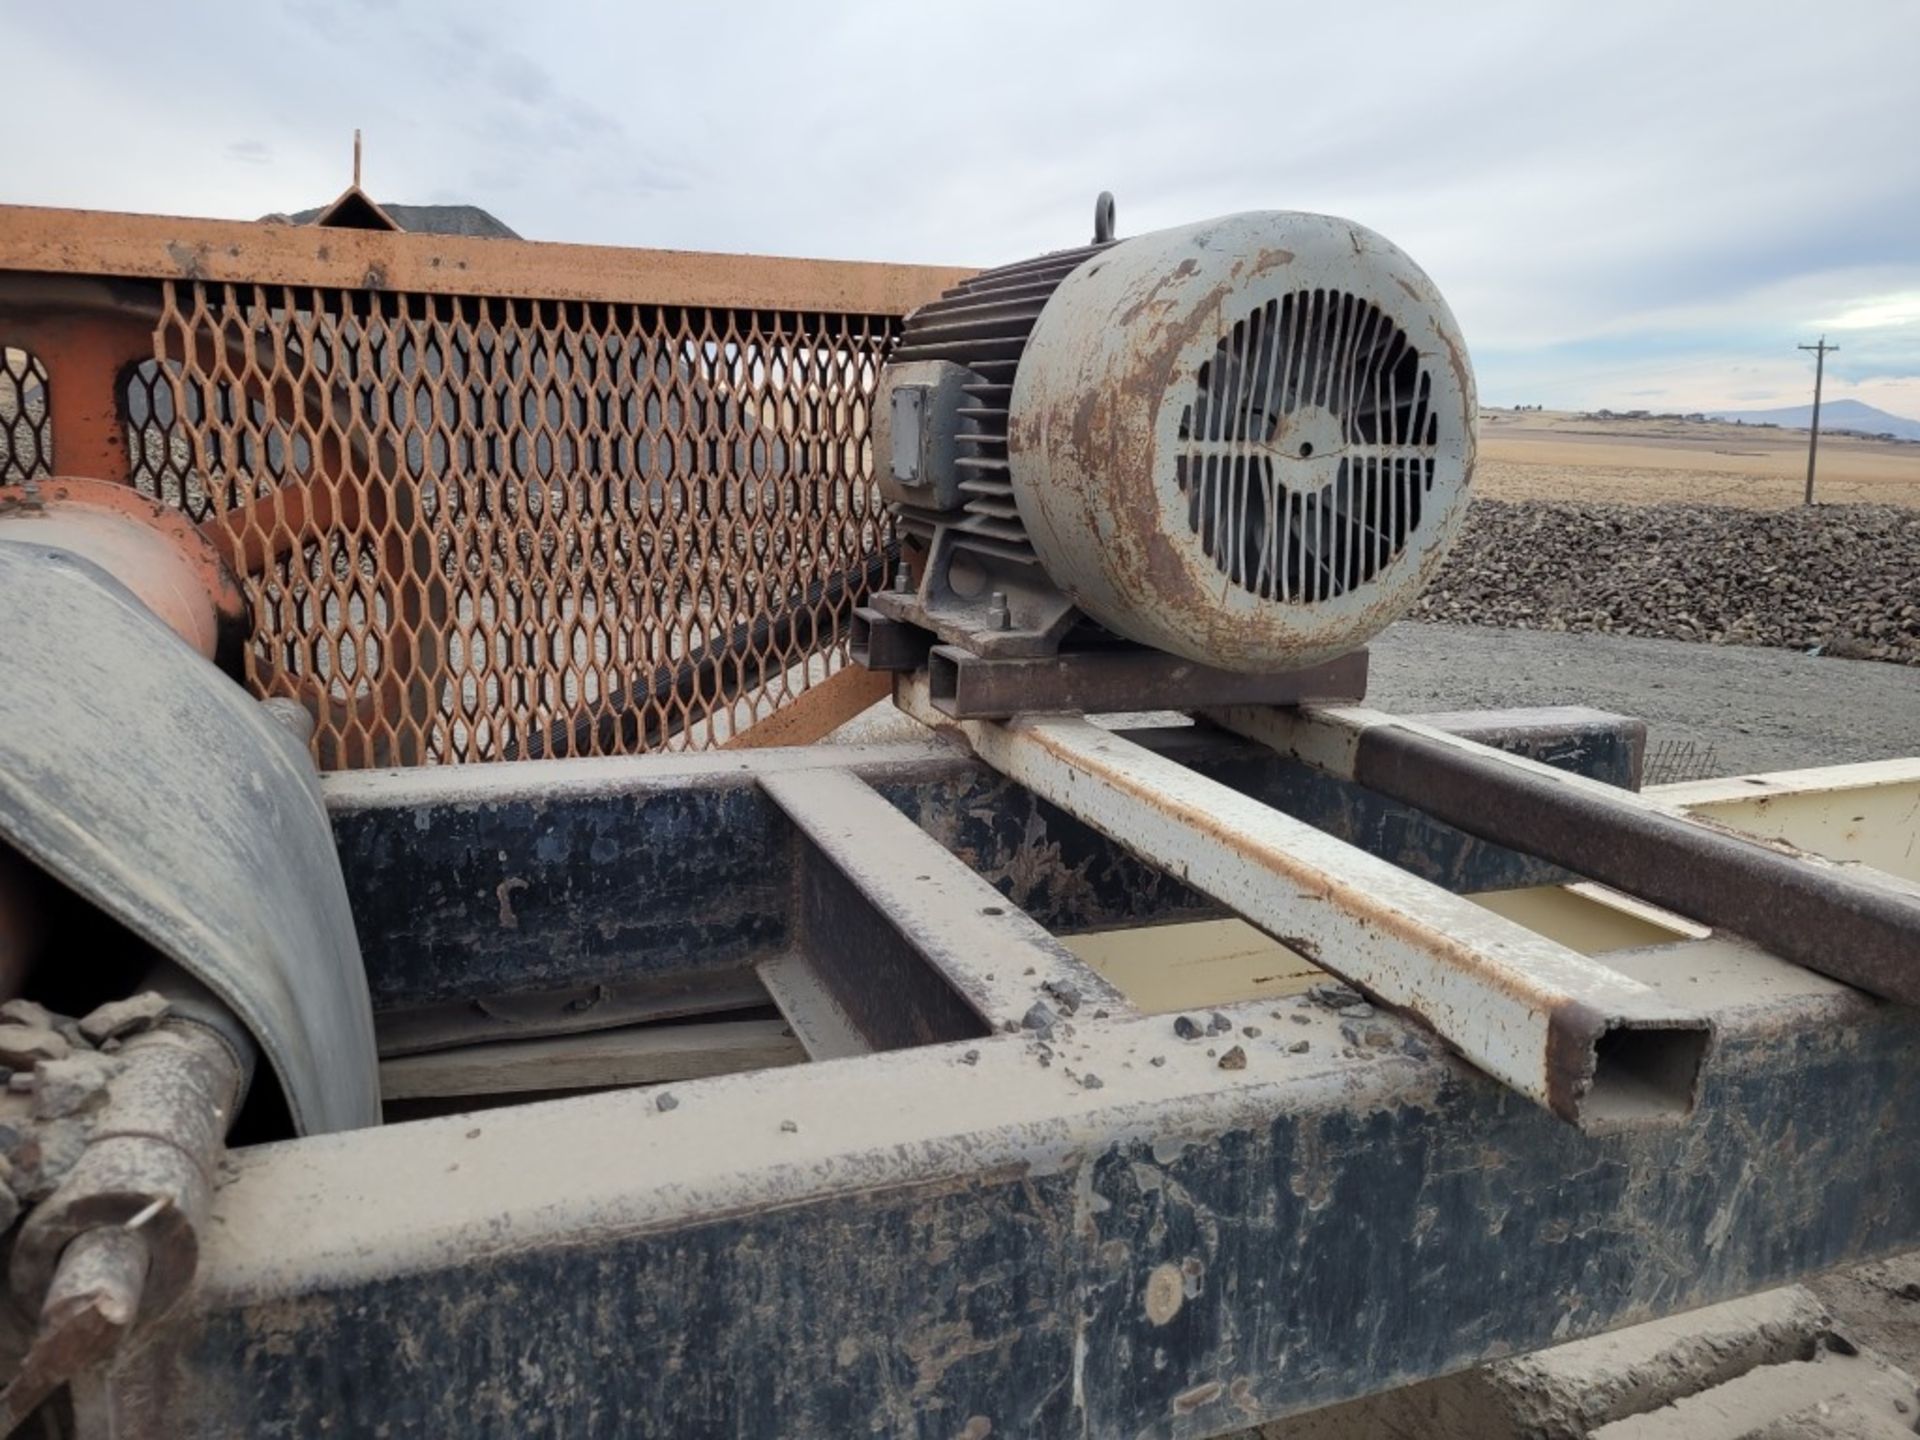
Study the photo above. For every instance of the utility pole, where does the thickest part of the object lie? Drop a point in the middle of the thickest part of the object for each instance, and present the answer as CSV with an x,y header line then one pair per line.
x,y
1813,439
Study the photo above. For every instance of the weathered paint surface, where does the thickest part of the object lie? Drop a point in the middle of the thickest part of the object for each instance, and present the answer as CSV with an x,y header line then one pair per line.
x,y
496,898
1852,922
168,247
914,944
941,1244
1109,377
1528,1011
492,880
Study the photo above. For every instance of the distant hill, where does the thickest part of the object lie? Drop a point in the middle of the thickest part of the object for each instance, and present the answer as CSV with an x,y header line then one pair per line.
x,y
1834,415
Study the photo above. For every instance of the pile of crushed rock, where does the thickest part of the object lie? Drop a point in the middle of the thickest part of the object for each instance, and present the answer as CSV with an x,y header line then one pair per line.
x,y
1837,579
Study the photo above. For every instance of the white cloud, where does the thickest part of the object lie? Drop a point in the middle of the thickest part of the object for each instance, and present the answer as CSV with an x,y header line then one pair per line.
x,y
1883,312
1703,180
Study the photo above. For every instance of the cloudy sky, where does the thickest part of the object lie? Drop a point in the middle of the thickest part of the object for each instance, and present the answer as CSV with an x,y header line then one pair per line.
x,y
1627,204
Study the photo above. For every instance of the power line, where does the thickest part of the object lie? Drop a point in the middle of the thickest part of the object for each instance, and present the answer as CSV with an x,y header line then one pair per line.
x,y
1813,439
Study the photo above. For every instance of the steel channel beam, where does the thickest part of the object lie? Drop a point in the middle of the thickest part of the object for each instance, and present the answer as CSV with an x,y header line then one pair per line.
x,y
1594,1047
901,1243
914,945
964,686
1855,924
883,644
818,1021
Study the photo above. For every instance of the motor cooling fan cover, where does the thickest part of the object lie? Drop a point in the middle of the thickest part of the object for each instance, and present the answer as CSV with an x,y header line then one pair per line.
x,y
1247,441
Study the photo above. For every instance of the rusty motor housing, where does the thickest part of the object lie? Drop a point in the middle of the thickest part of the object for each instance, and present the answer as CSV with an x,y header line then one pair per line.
x,y
1246,442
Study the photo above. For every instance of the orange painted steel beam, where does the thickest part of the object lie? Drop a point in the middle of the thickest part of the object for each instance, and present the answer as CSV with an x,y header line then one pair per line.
x,y
817,711
84,352
166,247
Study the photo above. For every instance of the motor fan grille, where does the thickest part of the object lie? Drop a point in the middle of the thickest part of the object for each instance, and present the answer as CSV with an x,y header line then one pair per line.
x,y
1310,446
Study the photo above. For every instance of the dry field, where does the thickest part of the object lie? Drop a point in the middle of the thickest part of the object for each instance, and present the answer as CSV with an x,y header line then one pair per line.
x,y
1551,455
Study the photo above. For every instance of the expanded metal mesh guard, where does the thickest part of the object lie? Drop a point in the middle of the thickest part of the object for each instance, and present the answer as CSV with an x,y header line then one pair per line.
x,y
26,433
481,529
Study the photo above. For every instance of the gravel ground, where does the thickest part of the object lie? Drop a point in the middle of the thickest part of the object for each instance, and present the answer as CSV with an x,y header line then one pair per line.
x,y
1741,708
1737,709
1844,579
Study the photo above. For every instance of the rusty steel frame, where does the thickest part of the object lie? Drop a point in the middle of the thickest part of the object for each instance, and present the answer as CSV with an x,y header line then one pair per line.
x,y
1856,924
965,686
1074,1223
449,567
51,241
1591,1045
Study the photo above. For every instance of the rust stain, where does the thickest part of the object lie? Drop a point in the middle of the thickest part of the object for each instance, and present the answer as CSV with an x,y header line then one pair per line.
x,y
1165,1294
504,893
1188,1401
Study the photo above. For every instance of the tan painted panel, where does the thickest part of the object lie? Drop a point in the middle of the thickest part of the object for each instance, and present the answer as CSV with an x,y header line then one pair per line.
x,y
1580,921
1871,824
1865,813
1164,968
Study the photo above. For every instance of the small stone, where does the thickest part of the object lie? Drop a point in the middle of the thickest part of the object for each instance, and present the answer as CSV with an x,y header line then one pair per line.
x,y
789,1127
972,1057
1335,997
71,1086
1066,996
1099,1014
1038,1019
1252,1032
1185,1028
1300,1019
24,1046
21,1082
1092,1082
1361,1010
1234,1059
1299,1047
1158,1060
1218,1024
28,1012
125,1017
665,1101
